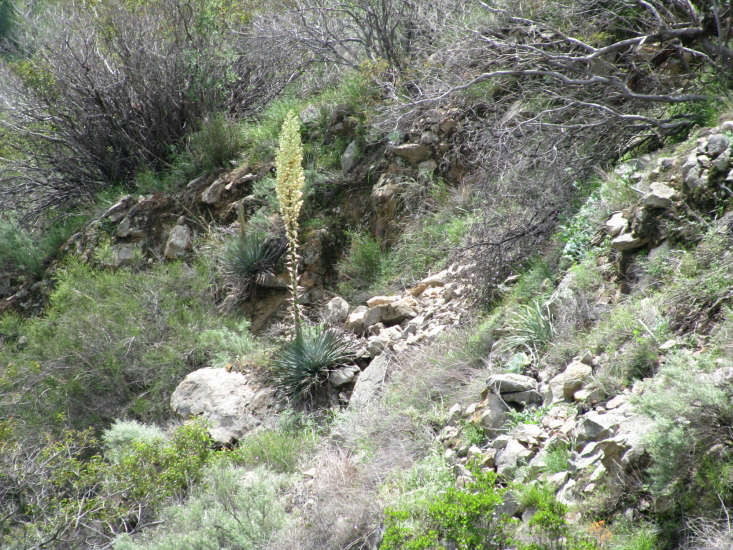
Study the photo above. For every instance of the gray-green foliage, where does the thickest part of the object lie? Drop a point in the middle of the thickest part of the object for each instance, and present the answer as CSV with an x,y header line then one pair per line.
x,y
692,415
120,438
248,256
232,508
230,344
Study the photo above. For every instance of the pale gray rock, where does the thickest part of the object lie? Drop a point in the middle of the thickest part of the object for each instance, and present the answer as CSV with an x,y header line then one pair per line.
x,y
616,224
510,456
224,399
212,194
336,311
717,143
361,319
491,414
350,157
510,382
370,382
343,375
659,196
627,241
530,397
180,241
564,385
414,153
118,211
124,254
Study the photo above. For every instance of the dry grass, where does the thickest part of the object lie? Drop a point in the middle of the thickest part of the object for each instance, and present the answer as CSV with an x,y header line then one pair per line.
x,y
709,535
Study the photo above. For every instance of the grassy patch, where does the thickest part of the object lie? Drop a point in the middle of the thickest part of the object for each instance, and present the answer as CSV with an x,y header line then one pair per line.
x,y
278,449
28,251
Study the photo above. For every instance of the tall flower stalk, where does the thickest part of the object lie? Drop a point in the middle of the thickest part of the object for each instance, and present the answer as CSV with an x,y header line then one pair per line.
x,y
289,188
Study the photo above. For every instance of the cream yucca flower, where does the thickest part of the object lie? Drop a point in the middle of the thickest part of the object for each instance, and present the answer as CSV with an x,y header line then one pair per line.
x,y
289,188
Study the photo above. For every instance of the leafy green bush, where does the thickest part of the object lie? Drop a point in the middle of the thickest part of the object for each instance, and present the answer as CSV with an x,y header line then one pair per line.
x,y
218,141
548,526
122,436
528,415
63,494
466,518
558,457
232,508
111,344
300,370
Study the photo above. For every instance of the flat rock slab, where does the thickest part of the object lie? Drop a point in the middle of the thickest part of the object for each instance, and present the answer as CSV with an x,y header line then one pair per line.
x,y
370,382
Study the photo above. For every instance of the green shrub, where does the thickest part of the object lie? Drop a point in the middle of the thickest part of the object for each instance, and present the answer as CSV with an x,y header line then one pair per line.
x,y
218,141
300,370
122,436
558,458
473,434
232,508
232,345
111,344
65,495
634,537
547,523
528,415
361,265
548,528
465,518
690,447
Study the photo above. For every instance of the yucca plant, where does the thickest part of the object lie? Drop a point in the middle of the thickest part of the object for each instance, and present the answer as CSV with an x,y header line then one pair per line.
x,y
530,328
250,256
302,367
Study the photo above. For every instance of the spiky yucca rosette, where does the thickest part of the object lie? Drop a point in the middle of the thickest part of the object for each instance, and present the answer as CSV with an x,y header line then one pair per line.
x,y
289,188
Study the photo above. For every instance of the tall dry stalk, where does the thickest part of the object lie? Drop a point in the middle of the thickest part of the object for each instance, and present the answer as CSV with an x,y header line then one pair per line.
x,y
289,188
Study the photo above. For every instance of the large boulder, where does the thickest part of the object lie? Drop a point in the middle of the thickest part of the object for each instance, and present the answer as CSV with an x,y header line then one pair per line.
x,y
225,399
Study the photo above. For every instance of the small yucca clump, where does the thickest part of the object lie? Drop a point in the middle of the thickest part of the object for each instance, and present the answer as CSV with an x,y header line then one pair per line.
x,y
248,257
289,188
303,366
